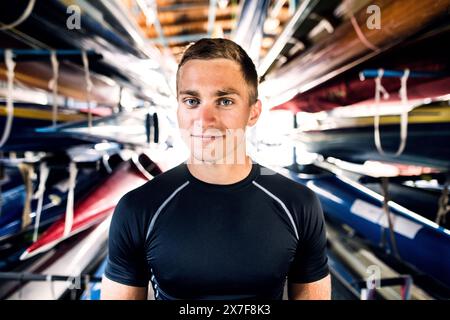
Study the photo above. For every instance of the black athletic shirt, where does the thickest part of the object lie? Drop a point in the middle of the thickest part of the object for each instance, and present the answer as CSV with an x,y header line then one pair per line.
x,y
196,240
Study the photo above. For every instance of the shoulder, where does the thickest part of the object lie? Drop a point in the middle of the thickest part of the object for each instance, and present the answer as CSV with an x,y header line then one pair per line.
x,y
140,203
284,187
157,188
301,202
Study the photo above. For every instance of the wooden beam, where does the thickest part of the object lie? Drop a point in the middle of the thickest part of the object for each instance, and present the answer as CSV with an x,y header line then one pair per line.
x,y
71,81
190,28
193,14
347,47
166,3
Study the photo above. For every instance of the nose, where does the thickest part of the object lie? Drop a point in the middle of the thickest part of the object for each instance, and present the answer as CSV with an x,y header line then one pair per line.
x,y
207,114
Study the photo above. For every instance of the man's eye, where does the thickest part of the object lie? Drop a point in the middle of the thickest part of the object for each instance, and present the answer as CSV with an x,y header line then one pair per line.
x,y
225,102
191,102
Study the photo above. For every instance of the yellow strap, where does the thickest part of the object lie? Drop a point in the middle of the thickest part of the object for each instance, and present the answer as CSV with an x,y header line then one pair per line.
x,y
33,113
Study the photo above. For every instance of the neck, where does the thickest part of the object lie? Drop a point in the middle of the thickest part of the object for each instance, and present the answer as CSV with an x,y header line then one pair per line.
x,y
220,173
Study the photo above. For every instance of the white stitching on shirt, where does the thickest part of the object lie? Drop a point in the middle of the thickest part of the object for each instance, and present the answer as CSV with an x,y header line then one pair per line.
x,y
152,222
282,205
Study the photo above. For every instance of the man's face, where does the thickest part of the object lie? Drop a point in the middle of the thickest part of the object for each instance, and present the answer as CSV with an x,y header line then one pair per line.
x,y
214,110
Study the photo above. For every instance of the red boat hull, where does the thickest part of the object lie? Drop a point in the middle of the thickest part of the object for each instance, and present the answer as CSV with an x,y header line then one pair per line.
x,y
92,209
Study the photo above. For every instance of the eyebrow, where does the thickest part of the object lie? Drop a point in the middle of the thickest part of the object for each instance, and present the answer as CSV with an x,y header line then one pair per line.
x,y
226,92
219,93
190,93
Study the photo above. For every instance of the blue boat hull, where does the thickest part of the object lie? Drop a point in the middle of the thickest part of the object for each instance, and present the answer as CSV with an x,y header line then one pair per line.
x,y
11,218
421,243
357,144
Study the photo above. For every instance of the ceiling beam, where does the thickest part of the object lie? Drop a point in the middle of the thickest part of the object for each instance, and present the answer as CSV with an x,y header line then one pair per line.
x,y
191,14
190,28
211,16
183,38
297,20
250,27
150,10
170,6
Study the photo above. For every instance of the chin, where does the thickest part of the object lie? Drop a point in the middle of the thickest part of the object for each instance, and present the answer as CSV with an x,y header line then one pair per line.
x,y
200,157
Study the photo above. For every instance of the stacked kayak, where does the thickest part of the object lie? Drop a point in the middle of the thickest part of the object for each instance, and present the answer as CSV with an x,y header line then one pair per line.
x,y
30,205
53,203
81,236
28,116
421,243
349,136
91,210
71,259
12,195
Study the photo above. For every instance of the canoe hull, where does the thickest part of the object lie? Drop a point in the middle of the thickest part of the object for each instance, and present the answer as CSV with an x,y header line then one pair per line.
x,y
418,239
93,209
427,144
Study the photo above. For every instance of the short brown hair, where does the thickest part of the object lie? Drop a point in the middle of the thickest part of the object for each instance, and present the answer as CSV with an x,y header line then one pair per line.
x,y
206,49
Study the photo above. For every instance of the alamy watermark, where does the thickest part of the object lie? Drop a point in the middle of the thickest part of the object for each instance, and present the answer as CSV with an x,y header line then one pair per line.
x,y
74,19
374,20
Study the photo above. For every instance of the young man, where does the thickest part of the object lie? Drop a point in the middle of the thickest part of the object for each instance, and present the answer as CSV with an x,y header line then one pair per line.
x,y
216,226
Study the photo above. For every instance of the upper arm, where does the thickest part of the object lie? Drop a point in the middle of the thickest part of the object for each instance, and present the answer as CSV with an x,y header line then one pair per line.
x,y
112,290
127,272
317,290
310,263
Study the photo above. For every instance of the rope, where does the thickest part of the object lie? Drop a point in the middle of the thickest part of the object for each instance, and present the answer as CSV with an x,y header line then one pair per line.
x,y
21,19
105,159
74,286
20,294
70,198
89,85
10,65
403,117
444,206
27,172
49,279
384,186
87,286
378,90
361,35
53,85
44,172
406,288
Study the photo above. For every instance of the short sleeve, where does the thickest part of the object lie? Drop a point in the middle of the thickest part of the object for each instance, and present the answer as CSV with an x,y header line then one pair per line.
x,y
310,263
126,263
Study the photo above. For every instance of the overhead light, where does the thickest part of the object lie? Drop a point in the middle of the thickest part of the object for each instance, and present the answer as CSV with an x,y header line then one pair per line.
x,y
223,3
271,24
149,11
218,32
267,42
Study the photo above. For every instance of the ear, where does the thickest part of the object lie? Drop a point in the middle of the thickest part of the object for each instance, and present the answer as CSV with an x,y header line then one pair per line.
x,y
255,112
